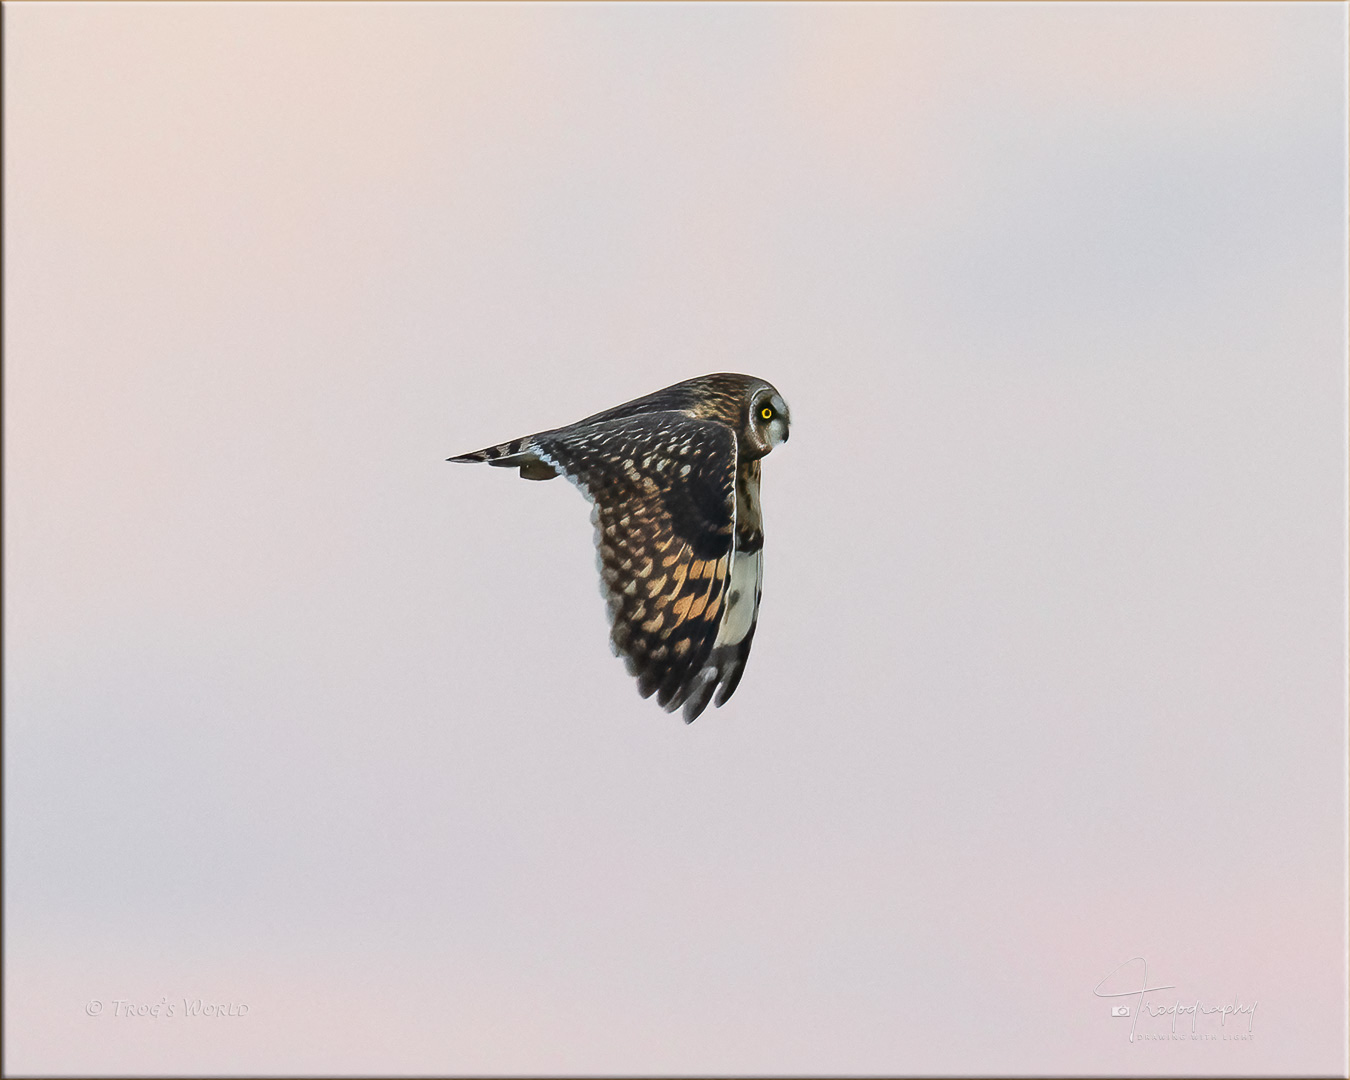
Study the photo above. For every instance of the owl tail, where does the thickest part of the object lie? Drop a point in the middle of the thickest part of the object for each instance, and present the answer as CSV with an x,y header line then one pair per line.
x,y
516,453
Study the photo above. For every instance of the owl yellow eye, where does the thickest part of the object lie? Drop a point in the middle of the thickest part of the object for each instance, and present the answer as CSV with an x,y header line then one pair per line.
x,y
766,412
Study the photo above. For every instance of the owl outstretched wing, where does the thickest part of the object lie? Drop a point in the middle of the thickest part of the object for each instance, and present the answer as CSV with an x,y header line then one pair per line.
x,y
663,489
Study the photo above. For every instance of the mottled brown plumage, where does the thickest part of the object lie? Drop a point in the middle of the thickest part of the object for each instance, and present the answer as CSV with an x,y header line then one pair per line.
x,y
674,481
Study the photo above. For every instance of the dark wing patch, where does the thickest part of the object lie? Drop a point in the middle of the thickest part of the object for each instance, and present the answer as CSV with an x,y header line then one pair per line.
x,y
663,489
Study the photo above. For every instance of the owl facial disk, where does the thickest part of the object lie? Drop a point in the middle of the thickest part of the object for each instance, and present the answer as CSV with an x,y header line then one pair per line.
x,y
774,417
767,423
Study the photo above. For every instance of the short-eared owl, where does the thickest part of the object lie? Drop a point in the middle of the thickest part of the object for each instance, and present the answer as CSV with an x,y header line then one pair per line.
x,y
673,478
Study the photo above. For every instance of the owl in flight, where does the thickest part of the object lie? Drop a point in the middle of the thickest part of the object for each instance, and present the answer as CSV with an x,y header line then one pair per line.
x,y
673,479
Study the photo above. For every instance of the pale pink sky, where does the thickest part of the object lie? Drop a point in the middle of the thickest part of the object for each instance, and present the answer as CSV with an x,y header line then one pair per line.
x,y
1050,669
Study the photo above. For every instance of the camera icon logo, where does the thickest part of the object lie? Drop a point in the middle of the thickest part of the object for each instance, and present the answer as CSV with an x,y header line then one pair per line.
x,y
1120,1010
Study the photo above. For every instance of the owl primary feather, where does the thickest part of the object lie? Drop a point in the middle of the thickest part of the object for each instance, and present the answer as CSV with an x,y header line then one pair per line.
x,y
673,479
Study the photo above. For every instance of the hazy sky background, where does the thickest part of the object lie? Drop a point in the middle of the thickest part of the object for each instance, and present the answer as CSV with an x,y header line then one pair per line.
x,y
1050,669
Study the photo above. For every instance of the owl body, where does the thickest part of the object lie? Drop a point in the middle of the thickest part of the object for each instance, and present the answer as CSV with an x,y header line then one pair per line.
x,y
673,479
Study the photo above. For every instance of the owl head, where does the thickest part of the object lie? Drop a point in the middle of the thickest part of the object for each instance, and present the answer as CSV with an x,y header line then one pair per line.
x,y
751,407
